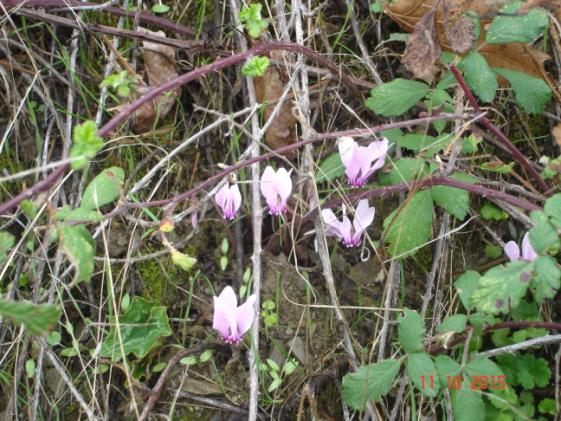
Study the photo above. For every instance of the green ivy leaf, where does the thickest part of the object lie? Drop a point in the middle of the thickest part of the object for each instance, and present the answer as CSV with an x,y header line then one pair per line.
x,y
6,243
410,331
404,169
454,201
409,226
502,287
446,368
141,326
546,280
516,28
103,189
253,22
78,244
479,76
531,93
423,374
255,67
36,318
370,382
86,144
396,97
455,323
467,404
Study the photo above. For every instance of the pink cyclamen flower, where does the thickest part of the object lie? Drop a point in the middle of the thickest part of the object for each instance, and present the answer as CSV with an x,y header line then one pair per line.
x,y
349,234
230,320
513,251
362,161
276,188
229,199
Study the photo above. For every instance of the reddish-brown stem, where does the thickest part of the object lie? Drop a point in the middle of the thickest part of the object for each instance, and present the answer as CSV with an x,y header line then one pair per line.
x,y
501,137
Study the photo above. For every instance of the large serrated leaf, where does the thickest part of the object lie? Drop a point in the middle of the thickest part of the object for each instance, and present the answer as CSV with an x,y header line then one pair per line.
x,y
447,368
409,227
531,93
465,285
103,189
423,374
501,288
396,97
37,318
479,76
511,26
546,279
139,330
404,169
411,331
78,244
467,404
370,382
454,201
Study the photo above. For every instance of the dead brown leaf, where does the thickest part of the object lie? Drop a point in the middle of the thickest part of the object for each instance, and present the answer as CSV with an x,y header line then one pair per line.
x,y
268,89
159,67
556,132
423,49
459,34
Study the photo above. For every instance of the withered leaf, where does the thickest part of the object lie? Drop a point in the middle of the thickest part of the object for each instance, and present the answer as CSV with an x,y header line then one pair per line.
x,y
459,34
423,49
556,132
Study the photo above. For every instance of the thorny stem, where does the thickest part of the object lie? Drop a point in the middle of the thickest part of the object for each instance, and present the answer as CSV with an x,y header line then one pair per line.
x,y
514,151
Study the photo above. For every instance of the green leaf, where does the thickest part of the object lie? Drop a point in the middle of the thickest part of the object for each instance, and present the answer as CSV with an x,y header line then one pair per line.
x,y
497,168
467,404
455,323
479,76
370,382
410,331
30,368
552,209
6,243
415,141
330,168
502,287
543,235
470,144
78,215
423,374
253,22
103,189
54,338
86,144
255,67
160,8
546,280
491,212
483,366
516,28
396,97
78,244
36,318
182,260
547,406
525,370
454,201
404,169
446,368
376,7
140,327
409,227
531,93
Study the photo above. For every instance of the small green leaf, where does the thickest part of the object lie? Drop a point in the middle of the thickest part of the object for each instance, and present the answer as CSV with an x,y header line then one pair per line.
x,y
446,368
376,7
411,331
190,360
497,168
86,144
274,385
491,212
223,263
467,404
479,76
255,67
404,169
525,370
466,285
502,287
54,338
159,367
160,8
543,235
6,243
396,97
454,201
370,382
182,260
546,280
531,93
509,26
409,227
273,365
30,368
552,209
36,318
205,356
330,168
455,323
78,215
253,22
140,328
423,374
547,406
78,244
103,189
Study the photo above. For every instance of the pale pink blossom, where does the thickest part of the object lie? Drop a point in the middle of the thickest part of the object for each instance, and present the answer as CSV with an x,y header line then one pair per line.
x,y
513,251
276,187
362,161
230,320
229,199
349,234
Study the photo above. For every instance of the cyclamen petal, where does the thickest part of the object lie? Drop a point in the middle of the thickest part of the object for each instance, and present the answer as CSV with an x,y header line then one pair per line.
x,y
276,187
229,199
349,234
231,321
513,251
361,161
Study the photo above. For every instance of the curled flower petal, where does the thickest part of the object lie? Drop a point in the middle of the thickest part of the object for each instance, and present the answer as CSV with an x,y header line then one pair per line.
x,y
349,234
364,216
229,199
512,251
245,315
528,252
230,320
361,161
276,187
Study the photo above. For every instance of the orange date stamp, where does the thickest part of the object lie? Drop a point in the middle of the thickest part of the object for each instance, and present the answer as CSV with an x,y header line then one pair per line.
x,y
475,382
